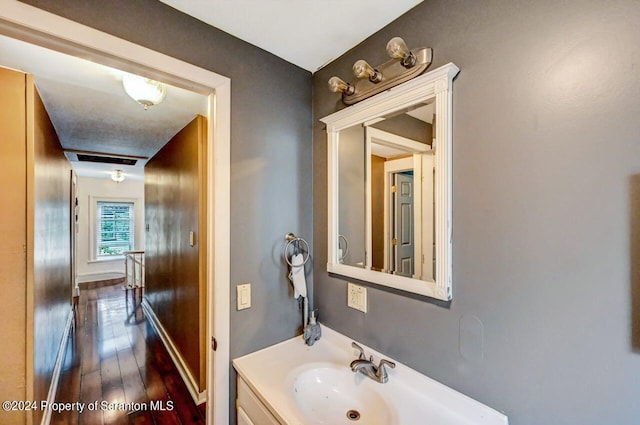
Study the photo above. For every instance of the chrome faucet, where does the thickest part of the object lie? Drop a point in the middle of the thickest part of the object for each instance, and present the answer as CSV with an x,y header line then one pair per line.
x,y
366,367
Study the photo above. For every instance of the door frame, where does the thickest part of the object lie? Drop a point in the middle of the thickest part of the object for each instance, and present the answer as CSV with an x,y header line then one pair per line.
x,y
36,26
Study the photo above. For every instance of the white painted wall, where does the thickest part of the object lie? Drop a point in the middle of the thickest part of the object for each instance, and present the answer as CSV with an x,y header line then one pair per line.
x,y
88,188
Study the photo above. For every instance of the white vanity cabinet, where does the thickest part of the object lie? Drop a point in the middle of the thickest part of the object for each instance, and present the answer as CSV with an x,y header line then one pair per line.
x,y
251,411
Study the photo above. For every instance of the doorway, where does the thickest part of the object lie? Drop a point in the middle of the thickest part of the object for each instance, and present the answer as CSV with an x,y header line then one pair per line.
x,y
36,26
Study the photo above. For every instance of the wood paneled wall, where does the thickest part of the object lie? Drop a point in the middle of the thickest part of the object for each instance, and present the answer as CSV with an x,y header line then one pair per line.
x,y
175,190
35,275
13,228
48,183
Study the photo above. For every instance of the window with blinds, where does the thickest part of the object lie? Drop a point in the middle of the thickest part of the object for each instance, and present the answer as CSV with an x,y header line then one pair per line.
x,y
115,228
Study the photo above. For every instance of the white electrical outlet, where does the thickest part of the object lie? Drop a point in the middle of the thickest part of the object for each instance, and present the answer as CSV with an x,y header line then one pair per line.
x,y
243,296
357,297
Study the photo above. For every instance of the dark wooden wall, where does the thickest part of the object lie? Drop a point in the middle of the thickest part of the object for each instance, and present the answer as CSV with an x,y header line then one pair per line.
x,y
35,274
14,234
48,182
377,212
175,270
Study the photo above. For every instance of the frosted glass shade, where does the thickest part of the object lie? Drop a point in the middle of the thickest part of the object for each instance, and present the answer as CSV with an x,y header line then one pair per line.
x,y
143,90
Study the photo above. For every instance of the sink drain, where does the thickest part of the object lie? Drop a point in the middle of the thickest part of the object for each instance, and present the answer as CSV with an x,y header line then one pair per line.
x,y
353,415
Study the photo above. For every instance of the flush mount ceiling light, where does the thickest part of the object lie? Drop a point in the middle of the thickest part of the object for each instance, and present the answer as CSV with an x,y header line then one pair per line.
x,y
143,90
404,65
117,176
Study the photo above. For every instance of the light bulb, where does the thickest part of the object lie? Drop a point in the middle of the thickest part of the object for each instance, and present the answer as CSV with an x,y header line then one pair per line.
x,y
336,85
361,69
397,49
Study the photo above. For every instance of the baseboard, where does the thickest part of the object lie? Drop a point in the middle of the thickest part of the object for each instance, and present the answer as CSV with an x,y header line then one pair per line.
x,y
191,383
57,369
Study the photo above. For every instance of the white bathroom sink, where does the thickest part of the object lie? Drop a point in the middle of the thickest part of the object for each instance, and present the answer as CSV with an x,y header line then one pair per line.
x,y
301,385
333,396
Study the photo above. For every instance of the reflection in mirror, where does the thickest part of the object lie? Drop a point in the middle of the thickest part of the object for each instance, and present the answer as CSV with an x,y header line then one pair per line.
x,y
400,200
386,174
389,187
351,193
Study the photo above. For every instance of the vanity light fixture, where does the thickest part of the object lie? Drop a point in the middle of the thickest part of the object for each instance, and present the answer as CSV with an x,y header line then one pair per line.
x,y
143,90
404,65
117,176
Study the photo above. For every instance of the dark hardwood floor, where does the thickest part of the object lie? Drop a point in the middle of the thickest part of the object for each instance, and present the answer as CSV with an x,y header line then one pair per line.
x,y
115,358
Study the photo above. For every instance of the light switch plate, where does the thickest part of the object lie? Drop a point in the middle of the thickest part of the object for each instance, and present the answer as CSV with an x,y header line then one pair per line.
x,y
357,297
243,298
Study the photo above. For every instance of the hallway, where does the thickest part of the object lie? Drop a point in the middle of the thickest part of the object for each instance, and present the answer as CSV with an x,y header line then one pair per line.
x,y
114,356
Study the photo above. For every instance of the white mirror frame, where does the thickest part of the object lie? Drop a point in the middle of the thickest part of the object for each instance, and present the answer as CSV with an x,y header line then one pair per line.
x,y
434,85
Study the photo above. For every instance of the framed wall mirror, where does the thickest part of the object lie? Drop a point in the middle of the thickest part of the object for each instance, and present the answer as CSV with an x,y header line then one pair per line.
x,y
389,187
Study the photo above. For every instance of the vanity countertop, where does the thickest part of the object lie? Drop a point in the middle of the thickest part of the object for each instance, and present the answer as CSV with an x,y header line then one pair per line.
x,y
294,382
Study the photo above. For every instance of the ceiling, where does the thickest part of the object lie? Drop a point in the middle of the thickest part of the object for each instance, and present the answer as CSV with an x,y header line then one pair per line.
x,y
91,112
307,33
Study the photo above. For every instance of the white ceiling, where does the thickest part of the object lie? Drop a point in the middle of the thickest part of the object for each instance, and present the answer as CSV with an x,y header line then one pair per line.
x,y
307,33
91,112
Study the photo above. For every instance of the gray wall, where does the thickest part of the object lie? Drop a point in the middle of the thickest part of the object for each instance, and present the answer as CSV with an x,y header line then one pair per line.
x,y
546,198
270,151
